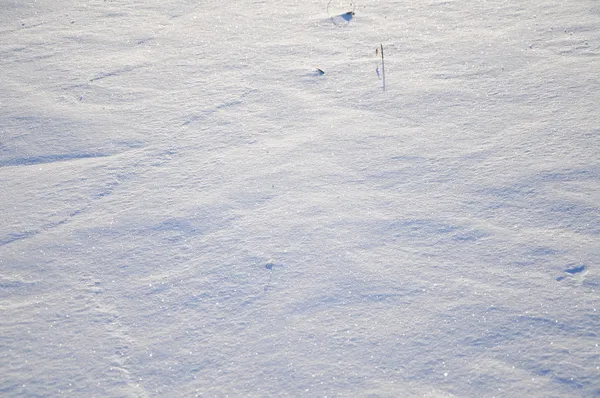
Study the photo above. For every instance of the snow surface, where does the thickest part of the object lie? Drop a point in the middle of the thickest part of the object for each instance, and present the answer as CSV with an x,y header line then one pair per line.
x,y
188,208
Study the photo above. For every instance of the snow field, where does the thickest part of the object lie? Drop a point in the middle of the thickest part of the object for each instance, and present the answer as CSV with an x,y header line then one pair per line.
x,y
189,210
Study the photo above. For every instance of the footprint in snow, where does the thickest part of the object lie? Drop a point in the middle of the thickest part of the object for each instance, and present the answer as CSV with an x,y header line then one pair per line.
x,y
576,273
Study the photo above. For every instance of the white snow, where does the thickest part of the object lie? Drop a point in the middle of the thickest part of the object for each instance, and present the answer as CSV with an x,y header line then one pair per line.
x,y
187,208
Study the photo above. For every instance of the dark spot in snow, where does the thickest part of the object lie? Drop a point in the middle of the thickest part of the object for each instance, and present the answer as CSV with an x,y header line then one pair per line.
x,y
347,16
575,270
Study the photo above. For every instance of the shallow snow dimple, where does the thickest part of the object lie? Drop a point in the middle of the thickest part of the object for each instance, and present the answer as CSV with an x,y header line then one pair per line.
x,y
543,251
205,113
15,236
550,199
358,295
35,160
14,285
473,235
590,174
426,232
116,72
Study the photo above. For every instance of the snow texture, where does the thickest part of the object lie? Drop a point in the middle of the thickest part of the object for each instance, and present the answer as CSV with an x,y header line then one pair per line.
x,y
189,209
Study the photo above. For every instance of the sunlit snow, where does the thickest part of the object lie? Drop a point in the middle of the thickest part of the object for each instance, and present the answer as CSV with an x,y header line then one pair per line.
x,y
190,208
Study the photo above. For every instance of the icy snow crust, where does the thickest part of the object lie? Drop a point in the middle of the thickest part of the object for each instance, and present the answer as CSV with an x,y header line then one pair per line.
x,y
189,209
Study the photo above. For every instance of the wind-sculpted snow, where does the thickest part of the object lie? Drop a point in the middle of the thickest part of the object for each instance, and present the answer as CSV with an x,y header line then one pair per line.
x,y
189,208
